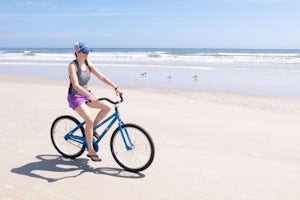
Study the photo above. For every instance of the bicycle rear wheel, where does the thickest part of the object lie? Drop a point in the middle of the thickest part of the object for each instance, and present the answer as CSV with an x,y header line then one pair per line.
x,y
69,148
139,153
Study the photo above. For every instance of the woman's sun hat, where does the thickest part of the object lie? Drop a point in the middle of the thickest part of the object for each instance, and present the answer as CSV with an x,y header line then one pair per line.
x,y
80,46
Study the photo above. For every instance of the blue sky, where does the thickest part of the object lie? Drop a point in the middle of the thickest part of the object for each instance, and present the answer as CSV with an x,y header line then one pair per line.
x,y
155,23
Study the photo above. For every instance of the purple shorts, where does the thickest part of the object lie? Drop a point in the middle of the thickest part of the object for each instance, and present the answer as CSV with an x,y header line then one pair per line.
x,y
76,100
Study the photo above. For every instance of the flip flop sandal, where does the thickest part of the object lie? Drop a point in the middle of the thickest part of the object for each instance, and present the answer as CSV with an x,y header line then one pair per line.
x,y
94,158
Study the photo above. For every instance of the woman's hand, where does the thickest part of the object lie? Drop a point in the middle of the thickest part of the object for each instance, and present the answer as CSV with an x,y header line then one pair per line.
x,y
118,91
92,98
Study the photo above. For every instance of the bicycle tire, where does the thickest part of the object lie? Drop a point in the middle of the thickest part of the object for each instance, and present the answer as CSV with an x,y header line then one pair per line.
x,y
140,156
59,129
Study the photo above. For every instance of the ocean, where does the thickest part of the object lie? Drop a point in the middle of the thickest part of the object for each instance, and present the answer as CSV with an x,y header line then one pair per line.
x,y
265,72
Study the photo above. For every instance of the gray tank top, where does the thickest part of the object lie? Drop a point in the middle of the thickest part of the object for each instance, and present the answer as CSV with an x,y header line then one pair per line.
x,y
83,78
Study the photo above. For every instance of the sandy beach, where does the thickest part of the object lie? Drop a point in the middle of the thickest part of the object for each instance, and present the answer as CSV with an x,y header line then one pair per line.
x,y
210,146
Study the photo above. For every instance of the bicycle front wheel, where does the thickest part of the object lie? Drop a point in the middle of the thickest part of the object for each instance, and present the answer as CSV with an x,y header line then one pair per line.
x,y
67,147
132,148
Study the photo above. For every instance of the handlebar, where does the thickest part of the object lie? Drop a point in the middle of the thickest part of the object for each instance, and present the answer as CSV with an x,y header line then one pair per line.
x,y
113,102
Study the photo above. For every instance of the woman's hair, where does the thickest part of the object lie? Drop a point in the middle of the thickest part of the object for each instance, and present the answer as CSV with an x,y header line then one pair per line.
x,y
87,64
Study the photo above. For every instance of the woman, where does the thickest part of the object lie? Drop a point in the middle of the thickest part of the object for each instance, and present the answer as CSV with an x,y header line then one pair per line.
x,y
80,97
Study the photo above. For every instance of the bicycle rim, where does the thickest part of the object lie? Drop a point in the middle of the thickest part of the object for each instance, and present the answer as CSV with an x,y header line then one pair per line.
x,y
141,154
59,129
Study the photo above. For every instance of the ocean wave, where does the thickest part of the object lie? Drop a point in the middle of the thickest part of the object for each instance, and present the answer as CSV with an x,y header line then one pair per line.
x,y
163,56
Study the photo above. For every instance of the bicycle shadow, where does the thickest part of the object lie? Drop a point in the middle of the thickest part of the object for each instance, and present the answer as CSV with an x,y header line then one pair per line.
x,y
55,163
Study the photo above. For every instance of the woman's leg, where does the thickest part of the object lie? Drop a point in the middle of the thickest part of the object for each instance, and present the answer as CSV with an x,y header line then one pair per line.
x,y
86,114
104,110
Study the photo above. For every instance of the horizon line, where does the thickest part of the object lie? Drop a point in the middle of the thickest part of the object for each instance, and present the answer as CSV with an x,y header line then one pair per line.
x,y
248,48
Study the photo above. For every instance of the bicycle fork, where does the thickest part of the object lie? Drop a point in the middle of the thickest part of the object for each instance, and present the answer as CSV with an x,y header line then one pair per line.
x,y
125,136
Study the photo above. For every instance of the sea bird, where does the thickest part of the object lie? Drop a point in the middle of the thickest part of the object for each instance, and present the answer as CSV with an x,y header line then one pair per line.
x,y
195,77
143,75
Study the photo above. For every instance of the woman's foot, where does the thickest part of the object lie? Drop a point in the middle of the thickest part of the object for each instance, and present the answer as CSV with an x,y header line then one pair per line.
x,y
94,158
96,135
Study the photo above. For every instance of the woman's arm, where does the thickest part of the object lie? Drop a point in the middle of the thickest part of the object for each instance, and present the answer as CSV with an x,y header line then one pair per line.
x,y
103,78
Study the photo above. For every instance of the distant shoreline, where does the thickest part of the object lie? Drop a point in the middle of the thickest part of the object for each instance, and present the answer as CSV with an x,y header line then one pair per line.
x,y
156,48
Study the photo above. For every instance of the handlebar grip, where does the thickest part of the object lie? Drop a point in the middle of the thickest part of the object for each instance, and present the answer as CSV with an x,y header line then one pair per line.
x,y
121,97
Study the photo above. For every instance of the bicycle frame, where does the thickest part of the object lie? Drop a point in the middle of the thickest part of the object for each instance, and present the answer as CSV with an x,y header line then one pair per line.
x,y
112,119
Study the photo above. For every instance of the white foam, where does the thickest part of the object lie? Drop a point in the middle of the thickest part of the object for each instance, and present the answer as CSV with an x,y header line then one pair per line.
x,y
155,57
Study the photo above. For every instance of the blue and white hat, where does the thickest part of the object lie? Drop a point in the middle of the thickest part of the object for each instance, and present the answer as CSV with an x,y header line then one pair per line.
x,y
80,46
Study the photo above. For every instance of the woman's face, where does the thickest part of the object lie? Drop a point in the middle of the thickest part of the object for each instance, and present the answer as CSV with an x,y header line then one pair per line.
x,y
82,55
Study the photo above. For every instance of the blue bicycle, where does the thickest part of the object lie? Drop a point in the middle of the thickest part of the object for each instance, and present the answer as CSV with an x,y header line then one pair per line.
x,y
131,146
